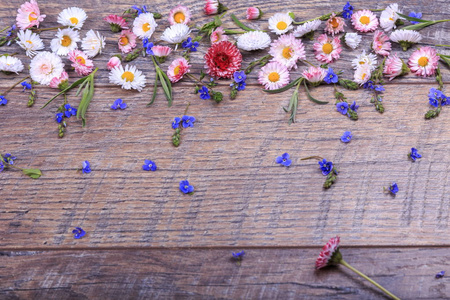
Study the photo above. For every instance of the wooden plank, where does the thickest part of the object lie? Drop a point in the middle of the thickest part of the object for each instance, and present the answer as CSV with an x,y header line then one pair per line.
x,y
242,196
211,274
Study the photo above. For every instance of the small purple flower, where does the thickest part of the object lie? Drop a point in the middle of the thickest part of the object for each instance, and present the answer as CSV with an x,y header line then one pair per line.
x,y
204,93
331,77
326,167
149,165
2,166
86,167
354,107
26,86
415,15
78,233
369,85
440,274
342,107
346,137
188,121
70,111
434,102
238,255
119,104
414,154
379,88
347,11
185,187
239,76
9,159
284,160
59,117
176,123
148,48
3,100
240,86
393,188
188,44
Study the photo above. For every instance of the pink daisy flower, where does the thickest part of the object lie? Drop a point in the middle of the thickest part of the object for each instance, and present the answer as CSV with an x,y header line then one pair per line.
x,y
127,41
113,62
213,7
161,51
329,254
80,61
116,22
381,44
60,82
364,20
29,15
334,25
394,67
180,14
327,49
218,35
254,13
424,61
314,75
177,69
287,50
273,76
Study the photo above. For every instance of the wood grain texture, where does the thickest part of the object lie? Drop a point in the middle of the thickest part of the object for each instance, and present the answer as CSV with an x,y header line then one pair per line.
x,y
211,274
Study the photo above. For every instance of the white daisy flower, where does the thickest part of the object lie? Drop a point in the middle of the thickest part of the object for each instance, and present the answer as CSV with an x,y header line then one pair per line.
x,y
93,43
45,66
273,76
175,34
144,25
362,74
129,78
352,39
30,42
306,28
66,40
406,38
365,60
10,64
73,17
287,50
253,40
280,23
389,16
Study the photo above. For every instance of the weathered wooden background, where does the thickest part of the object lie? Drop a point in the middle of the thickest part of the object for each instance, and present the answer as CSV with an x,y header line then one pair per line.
x,y
145,239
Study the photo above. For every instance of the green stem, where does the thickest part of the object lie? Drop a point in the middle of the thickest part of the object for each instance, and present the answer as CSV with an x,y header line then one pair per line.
x,y
311,157
345,264
185,111
229,31
442,45
7,27
309,62
14,85
193,78
50,28
240,24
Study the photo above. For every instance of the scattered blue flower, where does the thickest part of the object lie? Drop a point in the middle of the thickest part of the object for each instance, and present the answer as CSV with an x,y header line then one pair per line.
x,y
9,159
415,15
379,88
440,274
342,107
241,86
86,167
326,167
239,76
204,93
331,77
119,104
445,101
78,233
284,160
70,111
354,107
148,49
368,85
59,117
26,85
176,123
188,121
188,44
140,11
414,154
436,96
2,166
434,102
185,187
11,30
346,137
238,255
347,11
149,165
3,100
393,188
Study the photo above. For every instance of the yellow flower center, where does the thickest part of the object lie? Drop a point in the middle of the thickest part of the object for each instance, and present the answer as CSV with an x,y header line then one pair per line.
x,y
334,22
281,25
361,62
179,17
66,41
81,60
123,41
391,18
176,71
364,20
29,42
287,53
363,76
128,76
32,17
423,61
74,20
274,76
146,27
327,48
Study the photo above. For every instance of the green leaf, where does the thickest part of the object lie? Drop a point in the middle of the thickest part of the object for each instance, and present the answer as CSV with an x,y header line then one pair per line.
x,y
33,173
75,84
285,88
240,24
312,98
155,89
422,25
167,92
412,19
